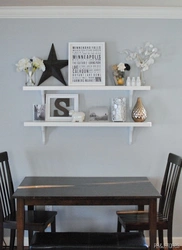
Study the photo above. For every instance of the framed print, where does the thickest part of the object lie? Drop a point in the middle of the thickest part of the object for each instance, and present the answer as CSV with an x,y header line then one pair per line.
x,y
38,112
86,64
98,114
59,105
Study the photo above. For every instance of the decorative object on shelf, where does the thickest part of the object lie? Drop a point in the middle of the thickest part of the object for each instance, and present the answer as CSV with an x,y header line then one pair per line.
x,y
118,109
38,112
133,81
53,67
30,66
143,58
98,114
119,73
128,81
139,113
86,63
59,105
77,116
138,81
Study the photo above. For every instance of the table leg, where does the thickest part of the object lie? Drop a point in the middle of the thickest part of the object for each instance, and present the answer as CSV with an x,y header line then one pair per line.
x,y
152,223
20,224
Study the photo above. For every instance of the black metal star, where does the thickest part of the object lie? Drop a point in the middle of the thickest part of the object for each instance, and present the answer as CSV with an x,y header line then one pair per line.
x,y
53,67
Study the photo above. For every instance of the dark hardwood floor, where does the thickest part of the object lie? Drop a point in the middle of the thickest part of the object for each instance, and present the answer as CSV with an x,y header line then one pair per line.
x,y
26,248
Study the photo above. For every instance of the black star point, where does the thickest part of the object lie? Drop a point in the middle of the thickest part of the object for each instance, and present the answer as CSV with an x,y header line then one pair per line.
x,y
53,67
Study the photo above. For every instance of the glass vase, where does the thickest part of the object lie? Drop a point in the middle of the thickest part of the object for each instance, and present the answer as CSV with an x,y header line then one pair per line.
x,y
30,78
119,77
142,79
118,109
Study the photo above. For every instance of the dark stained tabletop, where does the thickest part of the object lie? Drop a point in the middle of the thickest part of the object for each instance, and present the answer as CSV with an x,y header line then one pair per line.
x,y
82,187
85,191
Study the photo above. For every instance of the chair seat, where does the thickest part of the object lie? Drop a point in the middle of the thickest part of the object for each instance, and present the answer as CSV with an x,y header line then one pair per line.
x,y
139,220
36,220
86,240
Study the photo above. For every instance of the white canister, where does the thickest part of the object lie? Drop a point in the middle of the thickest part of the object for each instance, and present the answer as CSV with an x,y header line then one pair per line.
x,y
118,109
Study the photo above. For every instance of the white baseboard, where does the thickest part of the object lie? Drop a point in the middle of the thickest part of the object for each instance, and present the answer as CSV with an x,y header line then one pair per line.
x,y
177,241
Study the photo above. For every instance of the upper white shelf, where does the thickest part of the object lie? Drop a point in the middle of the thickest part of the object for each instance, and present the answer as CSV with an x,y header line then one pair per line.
x,y
67,88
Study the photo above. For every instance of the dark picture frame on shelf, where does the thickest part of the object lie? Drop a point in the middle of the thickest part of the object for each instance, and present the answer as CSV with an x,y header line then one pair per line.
x,y
59,105
86,64
39,112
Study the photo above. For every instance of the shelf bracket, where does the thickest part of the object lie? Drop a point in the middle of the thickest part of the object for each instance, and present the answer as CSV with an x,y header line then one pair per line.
x,y
130,135
43,134
43,96
130,99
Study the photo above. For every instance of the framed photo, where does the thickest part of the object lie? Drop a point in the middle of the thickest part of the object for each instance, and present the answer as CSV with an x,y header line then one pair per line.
x,y
86,64
98,114
38,112
59,105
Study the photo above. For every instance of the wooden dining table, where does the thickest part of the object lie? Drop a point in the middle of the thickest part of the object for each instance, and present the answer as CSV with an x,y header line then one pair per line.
x,y
86,191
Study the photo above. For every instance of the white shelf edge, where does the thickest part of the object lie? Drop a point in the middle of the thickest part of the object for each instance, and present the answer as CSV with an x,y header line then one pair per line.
x,y
86,124
130,125
69,88
153,12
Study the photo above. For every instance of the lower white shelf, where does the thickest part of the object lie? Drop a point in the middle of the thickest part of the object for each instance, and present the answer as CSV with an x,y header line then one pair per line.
x,y
130,125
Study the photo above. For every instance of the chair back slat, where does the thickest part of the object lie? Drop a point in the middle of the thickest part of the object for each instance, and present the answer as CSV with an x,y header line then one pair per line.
x,y
6,188
169,185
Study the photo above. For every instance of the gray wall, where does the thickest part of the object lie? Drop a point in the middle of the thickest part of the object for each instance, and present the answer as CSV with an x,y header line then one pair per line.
x,y
92,151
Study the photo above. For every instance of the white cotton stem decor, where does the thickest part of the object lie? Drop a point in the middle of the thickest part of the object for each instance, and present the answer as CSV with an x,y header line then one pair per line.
x,y
143,58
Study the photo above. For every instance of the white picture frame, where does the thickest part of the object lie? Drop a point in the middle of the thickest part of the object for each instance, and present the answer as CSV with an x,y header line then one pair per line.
x,y
59,105
86,64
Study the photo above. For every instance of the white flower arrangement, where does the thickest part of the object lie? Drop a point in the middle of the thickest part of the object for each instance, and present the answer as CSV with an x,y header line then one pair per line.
x,y
25,64
144,57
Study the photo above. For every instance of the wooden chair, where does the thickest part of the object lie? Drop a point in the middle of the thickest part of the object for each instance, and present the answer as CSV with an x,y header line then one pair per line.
x,y
34,220
138,220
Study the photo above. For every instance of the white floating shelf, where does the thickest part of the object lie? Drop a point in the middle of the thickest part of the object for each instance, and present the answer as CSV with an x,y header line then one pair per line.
x,y
69,88
130,125
87,88
87,124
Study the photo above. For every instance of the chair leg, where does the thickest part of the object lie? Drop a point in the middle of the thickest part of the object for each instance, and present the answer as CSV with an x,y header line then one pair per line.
x,y
161,239
1,237
30,235
118,226
12,239
53,226
169,237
